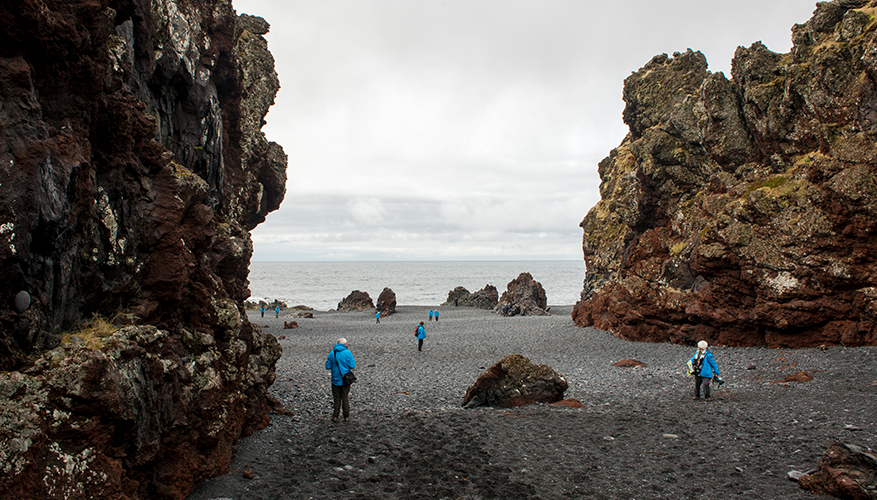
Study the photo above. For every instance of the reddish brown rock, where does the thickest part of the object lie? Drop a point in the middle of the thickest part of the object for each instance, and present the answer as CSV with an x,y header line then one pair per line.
x,y
800,376
289,325
133,169
628,363
356,301
569,403
743,211
386,302
845,471
515,381
524,296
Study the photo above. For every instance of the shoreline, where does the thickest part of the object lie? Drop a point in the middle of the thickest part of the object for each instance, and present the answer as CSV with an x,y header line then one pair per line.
x,y
410,437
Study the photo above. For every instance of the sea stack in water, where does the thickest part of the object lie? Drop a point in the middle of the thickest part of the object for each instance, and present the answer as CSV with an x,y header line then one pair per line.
x,y
134,168
386,302
356,301
486,298
524,296
743,211
515,381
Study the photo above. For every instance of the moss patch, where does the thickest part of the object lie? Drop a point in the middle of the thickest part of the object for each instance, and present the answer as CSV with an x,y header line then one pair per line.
x,y
92,333
771,183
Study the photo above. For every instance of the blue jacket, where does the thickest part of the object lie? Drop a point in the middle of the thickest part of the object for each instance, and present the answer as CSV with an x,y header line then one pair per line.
x,y
709,364
421,333
345,363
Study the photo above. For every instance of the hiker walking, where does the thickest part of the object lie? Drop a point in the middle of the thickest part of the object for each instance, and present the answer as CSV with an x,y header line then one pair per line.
x,y
703,366
420,333
340,361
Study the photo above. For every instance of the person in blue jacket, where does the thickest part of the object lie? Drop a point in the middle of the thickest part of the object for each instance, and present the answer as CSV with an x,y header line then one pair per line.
x,y
430,314
340,361
420,334
703,366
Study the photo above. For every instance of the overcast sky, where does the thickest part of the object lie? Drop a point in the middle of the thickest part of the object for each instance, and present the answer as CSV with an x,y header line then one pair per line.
x,y
467,129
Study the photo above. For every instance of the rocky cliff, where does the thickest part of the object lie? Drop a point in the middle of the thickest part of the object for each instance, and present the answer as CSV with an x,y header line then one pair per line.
x,y
133,168
744,211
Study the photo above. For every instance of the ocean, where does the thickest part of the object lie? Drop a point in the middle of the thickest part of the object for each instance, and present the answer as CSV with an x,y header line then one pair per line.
x,y
322,285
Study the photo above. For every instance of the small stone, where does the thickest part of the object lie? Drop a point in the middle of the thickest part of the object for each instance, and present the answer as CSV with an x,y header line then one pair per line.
x,y
608,438
794,475
249,474
372,460
22,301
851,427
671,436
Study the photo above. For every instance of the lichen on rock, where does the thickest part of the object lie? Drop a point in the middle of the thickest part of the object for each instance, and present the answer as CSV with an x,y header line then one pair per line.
x,y
134,168
741,211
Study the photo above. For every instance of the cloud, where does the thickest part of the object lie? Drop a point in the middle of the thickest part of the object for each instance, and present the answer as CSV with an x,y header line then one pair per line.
x,y
466,128
367,210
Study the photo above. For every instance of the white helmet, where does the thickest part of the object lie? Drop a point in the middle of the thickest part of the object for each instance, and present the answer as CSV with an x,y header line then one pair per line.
x,y
702,345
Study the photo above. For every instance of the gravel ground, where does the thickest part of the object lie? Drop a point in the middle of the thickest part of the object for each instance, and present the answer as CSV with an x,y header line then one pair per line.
x,y
640,435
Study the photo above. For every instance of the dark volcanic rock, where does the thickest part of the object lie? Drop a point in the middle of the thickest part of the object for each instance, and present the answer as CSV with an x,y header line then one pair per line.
x,y
133,169
515,381
524,296
744,211
356,301
486,298
845,471
386,302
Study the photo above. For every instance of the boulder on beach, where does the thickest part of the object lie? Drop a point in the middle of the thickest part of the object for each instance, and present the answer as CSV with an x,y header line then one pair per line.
x,y
515,381
387,302
486,298
356,301
524,296
845,471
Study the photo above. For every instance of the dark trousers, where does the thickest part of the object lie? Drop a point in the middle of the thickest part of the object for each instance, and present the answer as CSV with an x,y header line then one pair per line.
x,y
341,399
698,380
419,344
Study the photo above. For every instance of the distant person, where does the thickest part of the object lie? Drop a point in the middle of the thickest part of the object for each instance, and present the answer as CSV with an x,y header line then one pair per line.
x,y
703,366
340,361
420,333
456,302
378,317
276,311
430,314
436,314
263,311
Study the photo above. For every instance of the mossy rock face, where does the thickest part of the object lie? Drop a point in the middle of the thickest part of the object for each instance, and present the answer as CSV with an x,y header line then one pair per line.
x,y
743,211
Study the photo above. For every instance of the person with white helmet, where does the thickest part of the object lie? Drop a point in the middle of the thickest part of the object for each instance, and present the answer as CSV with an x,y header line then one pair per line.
x,y
703,366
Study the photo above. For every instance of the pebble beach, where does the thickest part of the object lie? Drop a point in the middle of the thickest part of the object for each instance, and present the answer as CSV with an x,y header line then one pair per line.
x,y
639,434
